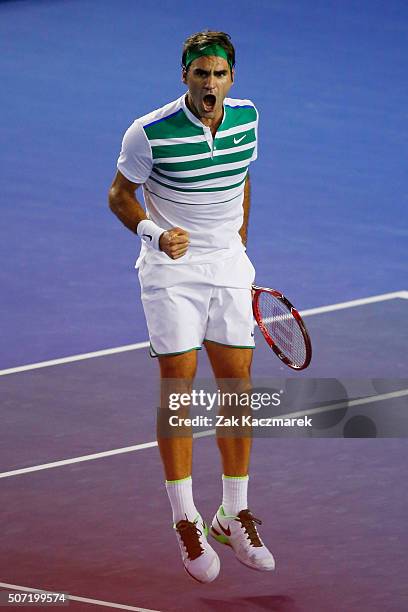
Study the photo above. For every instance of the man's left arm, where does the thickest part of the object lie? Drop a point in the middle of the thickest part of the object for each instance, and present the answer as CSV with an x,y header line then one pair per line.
x,y
243,232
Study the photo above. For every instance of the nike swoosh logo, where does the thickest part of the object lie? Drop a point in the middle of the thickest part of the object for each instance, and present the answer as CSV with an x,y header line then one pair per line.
x,y
238,140
147,236
226,531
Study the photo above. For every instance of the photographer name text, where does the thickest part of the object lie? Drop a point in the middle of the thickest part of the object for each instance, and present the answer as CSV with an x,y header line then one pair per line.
x,y
238,421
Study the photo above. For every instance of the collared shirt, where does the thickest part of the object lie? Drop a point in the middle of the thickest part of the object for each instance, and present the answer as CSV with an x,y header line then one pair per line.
x,y
190,179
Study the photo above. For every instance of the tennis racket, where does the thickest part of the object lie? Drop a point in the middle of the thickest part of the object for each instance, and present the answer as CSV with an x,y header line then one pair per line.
x,y
282,327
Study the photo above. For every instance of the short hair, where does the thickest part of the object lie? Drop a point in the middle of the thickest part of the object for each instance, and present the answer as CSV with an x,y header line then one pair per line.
x,y
200,40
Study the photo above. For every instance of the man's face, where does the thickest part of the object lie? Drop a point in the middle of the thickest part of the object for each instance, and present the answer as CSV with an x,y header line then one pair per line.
x,y
209,80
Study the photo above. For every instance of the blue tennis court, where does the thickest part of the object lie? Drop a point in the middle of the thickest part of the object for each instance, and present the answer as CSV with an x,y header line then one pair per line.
x,y
83,506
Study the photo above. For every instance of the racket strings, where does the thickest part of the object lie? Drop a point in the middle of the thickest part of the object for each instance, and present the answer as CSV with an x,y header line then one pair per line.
x,y
283,328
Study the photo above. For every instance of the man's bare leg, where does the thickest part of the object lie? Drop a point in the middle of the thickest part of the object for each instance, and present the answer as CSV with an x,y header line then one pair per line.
x,y
233,364
177,374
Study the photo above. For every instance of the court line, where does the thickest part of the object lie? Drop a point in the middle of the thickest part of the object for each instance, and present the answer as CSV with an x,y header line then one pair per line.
x,y
361,302
101,455
128,449
133,347
81,357
97,602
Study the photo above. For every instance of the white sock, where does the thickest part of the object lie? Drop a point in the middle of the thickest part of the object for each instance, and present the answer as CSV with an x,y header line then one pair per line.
x,y
180,494
234,494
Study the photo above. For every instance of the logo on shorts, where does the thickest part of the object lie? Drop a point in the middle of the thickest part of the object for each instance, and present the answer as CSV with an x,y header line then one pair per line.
x,y
147,236
252,334
238,140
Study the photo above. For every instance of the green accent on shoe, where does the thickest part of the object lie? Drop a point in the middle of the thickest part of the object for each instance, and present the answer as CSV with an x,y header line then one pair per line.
x,y
220,538
205,526
230,516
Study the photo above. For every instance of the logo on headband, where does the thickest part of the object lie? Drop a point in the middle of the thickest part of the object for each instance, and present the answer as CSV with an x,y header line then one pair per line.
x,y
216,50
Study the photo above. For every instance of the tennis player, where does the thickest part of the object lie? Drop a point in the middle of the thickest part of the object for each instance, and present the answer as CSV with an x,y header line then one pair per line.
x,y
191,158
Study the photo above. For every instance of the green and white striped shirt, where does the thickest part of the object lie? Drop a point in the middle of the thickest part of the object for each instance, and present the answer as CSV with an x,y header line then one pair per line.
x,y
190,179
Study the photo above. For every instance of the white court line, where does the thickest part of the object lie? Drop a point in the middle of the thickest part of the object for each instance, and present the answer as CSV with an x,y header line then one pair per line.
x,y
348,404
96,602
133,347
128,449
53,362
54,464
362,302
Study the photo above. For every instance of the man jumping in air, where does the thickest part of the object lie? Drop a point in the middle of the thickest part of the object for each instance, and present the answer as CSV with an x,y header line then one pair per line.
x,y
191,158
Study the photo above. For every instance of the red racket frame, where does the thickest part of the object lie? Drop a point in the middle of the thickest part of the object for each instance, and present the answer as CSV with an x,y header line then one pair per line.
x,y
265,333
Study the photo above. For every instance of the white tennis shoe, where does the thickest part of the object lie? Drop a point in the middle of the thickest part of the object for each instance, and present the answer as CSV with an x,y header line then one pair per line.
x,y
200,560
241,534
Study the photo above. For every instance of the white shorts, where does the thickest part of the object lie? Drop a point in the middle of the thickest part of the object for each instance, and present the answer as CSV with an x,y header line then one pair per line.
x,y
185,307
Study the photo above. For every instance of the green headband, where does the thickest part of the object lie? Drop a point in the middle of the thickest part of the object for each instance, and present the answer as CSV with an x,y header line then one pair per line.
x,y
209,50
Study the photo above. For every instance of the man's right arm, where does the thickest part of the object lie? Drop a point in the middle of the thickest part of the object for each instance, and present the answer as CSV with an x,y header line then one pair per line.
x,y
123,204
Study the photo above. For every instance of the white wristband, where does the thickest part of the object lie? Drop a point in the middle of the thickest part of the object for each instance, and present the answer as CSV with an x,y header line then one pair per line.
x,y
150,233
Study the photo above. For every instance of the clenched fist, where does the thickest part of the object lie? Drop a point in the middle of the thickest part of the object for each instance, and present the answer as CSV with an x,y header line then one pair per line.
x,y
174,242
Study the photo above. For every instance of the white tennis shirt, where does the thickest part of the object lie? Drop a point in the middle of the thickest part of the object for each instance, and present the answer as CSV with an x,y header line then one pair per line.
x,y
190,179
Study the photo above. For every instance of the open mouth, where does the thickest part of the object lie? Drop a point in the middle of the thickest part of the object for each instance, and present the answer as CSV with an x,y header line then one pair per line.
x,y
209,101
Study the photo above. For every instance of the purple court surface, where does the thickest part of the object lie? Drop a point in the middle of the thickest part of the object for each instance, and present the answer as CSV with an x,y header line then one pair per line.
x,y
83,508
